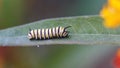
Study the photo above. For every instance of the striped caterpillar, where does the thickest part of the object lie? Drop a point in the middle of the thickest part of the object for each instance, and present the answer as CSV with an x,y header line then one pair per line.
x,y
55,32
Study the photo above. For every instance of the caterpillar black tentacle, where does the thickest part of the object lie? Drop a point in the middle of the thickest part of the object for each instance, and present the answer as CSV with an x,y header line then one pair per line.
x,y
55,32
68,27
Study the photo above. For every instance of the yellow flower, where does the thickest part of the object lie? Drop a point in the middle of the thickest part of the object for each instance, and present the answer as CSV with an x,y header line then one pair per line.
x,y
111,14
114,4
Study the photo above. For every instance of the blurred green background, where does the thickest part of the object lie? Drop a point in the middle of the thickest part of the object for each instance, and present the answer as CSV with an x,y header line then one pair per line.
x,y
18,12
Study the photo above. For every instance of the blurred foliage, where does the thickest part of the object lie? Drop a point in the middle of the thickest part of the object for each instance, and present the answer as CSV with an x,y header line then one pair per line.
x,y
85,7
16,12
60,56
11,13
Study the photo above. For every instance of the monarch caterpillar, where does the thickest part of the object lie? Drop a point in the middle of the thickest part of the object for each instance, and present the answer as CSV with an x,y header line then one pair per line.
x,y
55,32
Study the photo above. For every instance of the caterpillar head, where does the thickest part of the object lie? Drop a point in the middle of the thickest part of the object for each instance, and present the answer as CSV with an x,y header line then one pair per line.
x,y
65,33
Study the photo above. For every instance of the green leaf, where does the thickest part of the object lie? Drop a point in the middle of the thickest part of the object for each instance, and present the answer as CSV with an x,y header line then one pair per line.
x,y
84,30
